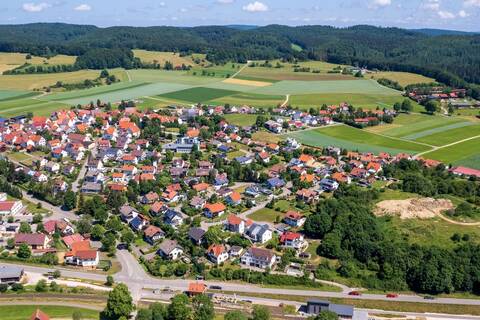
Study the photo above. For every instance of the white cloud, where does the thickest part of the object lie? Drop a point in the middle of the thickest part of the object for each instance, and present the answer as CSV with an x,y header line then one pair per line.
x,y
472,3
183,10
35,7
463,14
83,7
255,7
432,5
445,14
225,1
381,3
162,4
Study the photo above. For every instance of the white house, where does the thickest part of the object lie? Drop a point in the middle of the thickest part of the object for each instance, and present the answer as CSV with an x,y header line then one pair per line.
x,y
170,249
217,254
12,208
258,258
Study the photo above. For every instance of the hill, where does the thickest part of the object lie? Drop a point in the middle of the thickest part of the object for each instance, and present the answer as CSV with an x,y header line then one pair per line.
x,y
452,59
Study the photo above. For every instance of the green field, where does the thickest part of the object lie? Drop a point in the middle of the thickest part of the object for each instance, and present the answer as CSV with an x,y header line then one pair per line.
x,y
257,100
37,107
241,119
412,124
463,153
355,139
452,135
22,312
366,101
403,78
11,94
198,94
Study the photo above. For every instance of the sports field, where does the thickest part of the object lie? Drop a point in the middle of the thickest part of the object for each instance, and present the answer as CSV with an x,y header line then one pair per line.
x,y
355,139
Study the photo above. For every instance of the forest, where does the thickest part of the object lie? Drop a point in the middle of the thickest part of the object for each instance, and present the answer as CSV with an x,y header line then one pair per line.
x,y
450,58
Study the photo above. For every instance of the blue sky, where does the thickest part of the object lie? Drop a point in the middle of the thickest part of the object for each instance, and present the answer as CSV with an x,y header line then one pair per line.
x,y
447,14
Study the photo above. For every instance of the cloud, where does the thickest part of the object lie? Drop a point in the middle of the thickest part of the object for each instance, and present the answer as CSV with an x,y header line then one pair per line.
x,y
162,4
83,7
471,3
255,7
35,7
225,1
445,14
381,3
463,14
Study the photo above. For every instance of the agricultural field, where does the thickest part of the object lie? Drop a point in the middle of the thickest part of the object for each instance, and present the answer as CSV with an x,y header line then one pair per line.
x,y
403,78
365,101
198,94
451,134
465,153
22,312
355,139
162,57
9,61
258,100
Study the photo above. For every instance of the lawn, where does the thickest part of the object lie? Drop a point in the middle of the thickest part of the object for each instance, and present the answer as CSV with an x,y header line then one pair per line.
x,y
198,94
266,137
355,139
241,119
461,153
456,132
403,78
390,194
364,100
266,215
22,312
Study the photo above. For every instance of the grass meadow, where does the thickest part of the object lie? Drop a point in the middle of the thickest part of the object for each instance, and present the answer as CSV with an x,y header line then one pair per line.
x,y
198,94
450,136
363,100
22,312
241,119
403,78
464,153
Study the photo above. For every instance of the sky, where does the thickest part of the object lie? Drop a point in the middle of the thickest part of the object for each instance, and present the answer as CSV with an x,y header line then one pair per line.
x,y
441,14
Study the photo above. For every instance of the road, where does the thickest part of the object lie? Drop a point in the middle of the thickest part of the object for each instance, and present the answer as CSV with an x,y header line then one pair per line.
x,y
138,281
240,70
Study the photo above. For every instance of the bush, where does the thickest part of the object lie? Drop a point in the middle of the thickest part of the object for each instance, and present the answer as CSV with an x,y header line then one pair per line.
x,y
3,287
17,287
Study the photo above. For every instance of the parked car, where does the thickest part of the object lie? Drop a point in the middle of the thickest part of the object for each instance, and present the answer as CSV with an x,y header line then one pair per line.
x,y
215,287
429,298
392,295
354,293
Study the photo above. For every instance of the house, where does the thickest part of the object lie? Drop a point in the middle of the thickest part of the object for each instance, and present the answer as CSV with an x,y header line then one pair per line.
x,y
314,307
197,202
70,239
157,208
212,210
464,171
294,219
221,180
33,240
258,258
235,251
150,198
196,288
39,315
264,157
91,187
61,226
329,185
173,218
170,196
81,254
217,254
52,167
128,213
275,183
293,240
139,223
234,199
153,234
235,224
169,249
307,195
196,235
11,208
259,233
11,274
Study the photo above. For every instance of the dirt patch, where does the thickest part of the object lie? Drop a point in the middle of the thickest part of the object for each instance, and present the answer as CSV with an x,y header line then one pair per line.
x,y
421,208
247,82
5,67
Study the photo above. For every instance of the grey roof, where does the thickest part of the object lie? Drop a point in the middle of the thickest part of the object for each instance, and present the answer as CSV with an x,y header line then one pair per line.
x,y
196,233
339,309
10,272
168,246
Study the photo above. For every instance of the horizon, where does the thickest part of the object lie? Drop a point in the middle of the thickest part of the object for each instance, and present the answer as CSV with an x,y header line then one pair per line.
x,y
455,15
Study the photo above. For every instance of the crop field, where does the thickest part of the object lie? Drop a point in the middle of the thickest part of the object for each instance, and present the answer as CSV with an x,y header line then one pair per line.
x,y
11,94
366,101
219,71
198,94
318,87
24,106
403,78
162,57
464,153
355,139
463,130
258,100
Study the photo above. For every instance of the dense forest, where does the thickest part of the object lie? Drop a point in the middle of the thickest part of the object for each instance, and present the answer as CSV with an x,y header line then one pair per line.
x,y
450,58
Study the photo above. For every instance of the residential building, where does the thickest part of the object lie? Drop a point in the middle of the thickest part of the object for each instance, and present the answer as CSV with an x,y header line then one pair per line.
x,y
217,254
258,258
153,234
11,274
259,233
170,249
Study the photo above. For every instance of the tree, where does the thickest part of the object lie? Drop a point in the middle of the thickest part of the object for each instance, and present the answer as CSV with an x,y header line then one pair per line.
x,y
57,274
24,251
144,314
3,287
110,281
25,228
41,286
98,232
260,313
235,315
159,311
407,106
119,303
179,309
70,200
397,106
127,237
431,106
203,308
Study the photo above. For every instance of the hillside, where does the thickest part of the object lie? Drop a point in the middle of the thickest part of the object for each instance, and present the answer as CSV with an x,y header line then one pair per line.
x,y
452,59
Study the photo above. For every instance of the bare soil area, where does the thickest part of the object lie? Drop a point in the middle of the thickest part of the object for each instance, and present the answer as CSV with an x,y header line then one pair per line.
x,y
420,208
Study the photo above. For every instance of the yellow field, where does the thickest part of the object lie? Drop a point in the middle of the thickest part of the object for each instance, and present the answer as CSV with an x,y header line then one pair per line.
x,y
403,78
7,58
162,57
38,81
247,82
